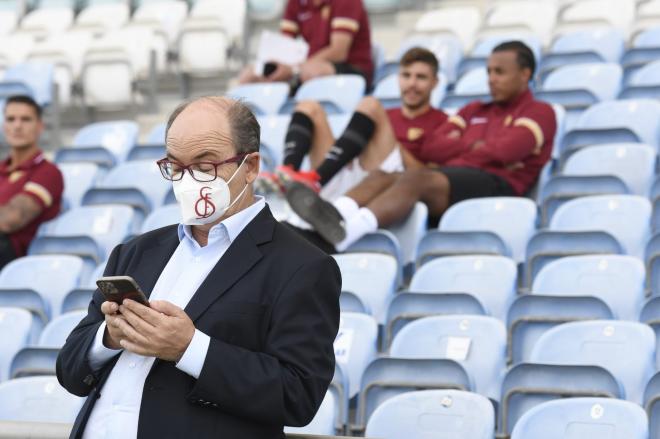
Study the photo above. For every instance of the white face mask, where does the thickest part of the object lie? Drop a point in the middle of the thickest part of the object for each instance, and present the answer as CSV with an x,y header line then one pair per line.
x,y
204,202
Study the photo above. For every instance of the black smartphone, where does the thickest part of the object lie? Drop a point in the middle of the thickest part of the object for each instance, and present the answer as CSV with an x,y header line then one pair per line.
x,y
117,288
269,68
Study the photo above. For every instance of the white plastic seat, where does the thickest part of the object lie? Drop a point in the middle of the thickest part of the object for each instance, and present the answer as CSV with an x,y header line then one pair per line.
x,y
463,22
37,399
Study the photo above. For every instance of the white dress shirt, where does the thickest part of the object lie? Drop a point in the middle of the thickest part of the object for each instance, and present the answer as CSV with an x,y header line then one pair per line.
x,y
116,412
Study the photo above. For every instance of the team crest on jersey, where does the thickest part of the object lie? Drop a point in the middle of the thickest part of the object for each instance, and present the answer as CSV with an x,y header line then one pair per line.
x,y
508,120
415,133
15,176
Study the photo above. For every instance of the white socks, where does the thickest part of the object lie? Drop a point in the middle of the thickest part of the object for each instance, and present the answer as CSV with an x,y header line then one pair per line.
x,y
363,221
346,206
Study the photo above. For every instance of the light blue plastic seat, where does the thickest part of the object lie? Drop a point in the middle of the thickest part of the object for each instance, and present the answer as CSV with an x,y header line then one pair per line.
x,y
584,46
39,78
49,277
625,349
650,315
527,385
626,217
636,120
482,49
491,279
511,218
263,98
105,143
643,83
652,404
338,123
337,93
324,420
381,241
79,298
265,10
138,184
616,279
350,302
40,359
153,149
575,418
355,347
425,413
438,243
547,245
478,343
560,189
531,315
161,217
37,399
634,163
409,232
389,94
273,131
472,86
652,260
78,178
644,49
16,327
89,231
407,306
370,276
387,377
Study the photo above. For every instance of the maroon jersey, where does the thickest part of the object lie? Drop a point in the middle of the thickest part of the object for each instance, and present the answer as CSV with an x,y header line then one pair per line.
x,y
39,179
512,141
315,20
411,133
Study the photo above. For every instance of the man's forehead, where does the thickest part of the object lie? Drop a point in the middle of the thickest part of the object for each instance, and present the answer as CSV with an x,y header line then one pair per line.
x,y
503,57
200,121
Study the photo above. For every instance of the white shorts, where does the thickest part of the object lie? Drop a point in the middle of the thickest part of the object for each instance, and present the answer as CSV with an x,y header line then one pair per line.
x,y
353,173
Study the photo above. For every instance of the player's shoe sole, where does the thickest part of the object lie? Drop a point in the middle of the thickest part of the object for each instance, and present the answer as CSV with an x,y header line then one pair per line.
x,y
322,215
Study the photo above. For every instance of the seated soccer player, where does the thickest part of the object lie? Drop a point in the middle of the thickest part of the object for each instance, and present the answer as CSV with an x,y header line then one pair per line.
x,y
495,148
375,138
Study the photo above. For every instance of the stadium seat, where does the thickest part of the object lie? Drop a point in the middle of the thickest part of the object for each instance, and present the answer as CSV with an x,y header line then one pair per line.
x,y
37,76
40,359
337,93
463,22
478,343
625,349
491,279
511,218
266,98
161,217
10,13
613,122
103,17
616,279
561,188
89,231
643,83
164,16
37,399
78,178
338,123
355,347
583,46
324,420
265,10
547,245
57,275
626,217
407,306
446,47
385,378
18,323
370,276
634,163
652,404
339,387
583,417
45,21
105,143
650,315
15,47
644,49
389,94
525,386
273,131
350,302
530,315
153,148
120,186
484,46
513,16
230,15
438,243
472,86
409,232
423,413
596,14
79,298
381,241
382,6
652,260
203,45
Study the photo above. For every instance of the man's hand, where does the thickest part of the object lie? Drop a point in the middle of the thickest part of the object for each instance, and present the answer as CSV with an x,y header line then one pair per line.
x,y
283,72
163,330
476,145
113,334
454,134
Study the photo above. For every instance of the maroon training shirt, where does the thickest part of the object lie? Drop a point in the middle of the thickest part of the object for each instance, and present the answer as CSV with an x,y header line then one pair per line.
x,y
411,133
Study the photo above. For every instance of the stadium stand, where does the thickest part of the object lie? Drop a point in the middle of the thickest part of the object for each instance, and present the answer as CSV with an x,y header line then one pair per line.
x,y
525,296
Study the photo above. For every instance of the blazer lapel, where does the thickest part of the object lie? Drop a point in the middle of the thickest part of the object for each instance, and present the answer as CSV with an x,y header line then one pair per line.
x,y
153,261
239,258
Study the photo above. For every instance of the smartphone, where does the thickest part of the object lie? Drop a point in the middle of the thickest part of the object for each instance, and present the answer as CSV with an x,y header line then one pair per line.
x,y
117,288
269,68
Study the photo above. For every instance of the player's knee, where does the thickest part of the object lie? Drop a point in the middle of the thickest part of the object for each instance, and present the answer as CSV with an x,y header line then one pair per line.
x,y
313,109
315,69
370,106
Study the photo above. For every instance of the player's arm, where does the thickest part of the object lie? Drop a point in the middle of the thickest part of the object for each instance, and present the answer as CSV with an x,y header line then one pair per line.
x,y
446,142
337,50
19,212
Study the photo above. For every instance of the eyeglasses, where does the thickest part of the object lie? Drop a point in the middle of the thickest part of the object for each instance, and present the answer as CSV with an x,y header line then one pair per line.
x,y
204,171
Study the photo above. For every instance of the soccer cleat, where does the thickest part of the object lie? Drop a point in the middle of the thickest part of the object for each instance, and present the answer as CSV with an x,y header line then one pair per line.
x,y
319,213
287,175
268,183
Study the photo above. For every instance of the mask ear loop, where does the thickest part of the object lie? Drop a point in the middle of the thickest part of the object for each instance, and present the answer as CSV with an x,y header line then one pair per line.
x,y
244,188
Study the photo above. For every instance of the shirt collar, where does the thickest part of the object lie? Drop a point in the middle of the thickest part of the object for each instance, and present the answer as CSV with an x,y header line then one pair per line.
x,y
34,160
522,97
234,225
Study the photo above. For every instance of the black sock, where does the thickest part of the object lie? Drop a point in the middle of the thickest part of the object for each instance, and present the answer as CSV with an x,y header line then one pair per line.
x,y
351,143
298,139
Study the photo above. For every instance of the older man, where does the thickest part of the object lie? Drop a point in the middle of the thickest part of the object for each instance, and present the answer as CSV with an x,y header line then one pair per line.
x,y
238,337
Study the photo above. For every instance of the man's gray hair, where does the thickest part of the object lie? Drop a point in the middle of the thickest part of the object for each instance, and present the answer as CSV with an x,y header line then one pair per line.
x,y
245,130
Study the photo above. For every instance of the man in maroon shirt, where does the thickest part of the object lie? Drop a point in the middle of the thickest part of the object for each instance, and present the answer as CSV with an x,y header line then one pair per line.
x,y
488,149
374,138
339,39
30,186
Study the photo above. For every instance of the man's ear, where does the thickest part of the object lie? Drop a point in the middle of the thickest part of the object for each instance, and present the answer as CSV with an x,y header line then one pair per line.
x,y
252,164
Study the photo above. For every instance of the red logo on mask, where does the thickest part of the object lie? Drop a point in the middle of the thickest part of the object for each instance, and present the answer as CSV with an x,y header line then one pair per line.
x,y
204,207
